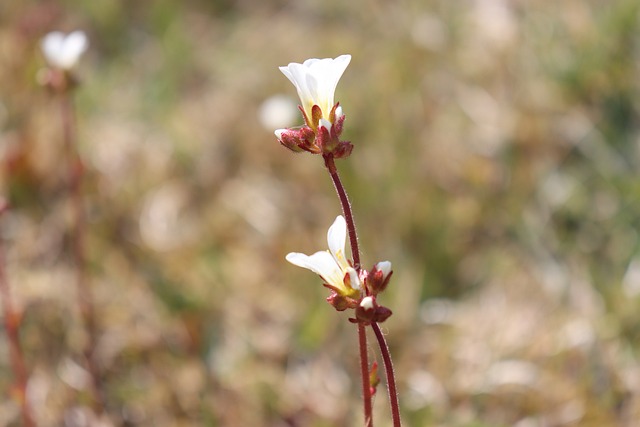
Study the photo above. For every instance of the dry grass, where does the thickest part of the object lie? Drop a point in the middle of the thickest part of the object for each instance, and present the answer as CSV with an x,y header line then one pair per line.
x,y
496,165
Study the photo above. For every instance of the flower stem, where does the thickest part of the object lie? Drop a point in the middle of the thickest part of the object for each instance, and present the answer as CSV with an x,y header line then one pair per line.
x,y
83,291
346,209
391,381
355,252
12,326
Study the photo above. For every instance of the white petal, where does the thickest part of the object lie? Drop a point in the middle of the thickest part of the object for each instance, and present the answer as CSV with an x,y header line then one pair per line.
x,y
278,133
325,123
321,263
336,238
74,46
367,303
51,46
355,280
316,81
385,267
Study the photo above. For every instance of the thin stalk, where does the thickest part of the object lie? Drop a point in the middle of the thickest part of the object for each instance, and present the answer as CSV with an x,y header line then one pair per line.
x,y
391,381
355,253
346,209
12,326
83,290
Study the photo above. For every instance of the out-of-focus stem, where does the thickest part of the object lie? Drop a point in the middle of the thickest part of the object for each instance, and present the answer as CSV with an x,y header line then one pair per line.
x,y
83,290
391,381
12,326
355,252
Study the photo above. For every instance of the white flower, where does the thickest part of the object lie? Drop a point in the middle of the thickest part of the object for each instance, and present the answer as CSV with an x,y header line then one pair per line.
x,y
63,51
316,81
332,265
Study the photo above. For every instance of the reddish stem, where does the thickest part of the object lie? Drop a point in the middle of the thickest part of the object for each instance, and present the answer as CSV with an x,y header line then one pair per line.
x,y
83,291
391,381
12,326
355,252
346,209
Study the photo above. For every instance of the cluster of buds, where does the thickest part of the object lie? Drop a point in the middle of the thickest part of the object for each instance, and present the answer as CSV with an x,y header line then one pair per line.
x,y
350,289
316,81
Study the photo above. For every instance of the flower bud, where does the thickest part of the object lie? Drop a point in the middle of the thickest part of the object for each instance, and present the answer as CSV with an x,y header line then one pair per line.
x,y
369,311
297,140
341,303
379,277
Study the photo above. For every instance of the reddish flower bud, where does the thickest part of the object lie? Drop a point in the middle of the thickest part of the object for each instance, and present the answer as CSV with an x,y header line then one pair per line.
x,y
341,303
297,140
379,277
369,311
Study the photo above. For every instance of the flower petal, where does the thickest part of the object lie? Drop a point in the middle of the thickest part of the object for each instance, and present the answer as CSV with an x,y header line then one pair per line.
x,y
74,45
321,263
384,267
316,81
51,46
354,280
336,238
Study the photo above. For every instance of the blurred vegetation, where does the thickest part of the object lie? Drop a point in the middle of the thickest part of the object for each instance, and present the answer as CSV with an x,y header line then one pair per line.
x,y
496,164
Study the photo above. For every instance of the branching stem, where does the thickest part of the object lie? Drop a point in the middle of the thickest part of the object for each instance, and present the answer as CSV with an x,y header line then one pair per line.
x,y
355,253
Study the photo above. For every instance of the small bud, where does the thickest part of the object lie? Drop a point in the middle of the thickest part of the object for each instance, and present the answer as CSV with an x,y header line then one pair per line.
x,y
288,139
369,311
367,303
297,140
341,303
366,310
379,277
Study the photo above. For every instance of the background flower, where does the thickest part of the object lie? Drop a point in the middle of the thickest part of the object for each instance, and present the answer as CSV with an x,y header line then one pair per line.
x,y
63,51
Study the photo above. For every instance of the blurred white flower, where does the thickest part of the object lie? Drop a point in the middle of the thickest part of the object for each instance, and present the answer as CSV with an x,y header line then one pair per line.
x,y
332,265
278,111
316,81
64,50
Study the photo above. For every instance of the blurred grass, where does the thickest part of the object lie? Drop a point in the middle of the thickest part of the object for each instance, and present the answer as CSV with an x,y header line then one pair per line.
x,y
496,165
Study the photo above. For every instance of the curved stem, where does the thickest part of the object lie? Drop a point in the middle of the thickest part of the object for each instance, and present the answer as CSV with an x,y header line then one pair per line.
x,y
391,381
355,252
